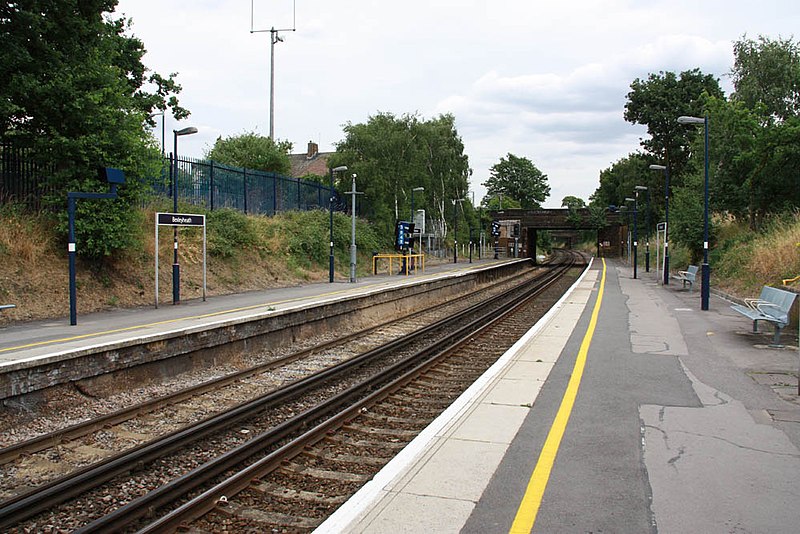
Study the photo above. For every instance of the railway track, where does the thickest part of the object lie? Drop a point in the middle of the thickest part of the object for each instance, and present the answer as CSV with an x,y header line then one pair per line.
x,y
186,461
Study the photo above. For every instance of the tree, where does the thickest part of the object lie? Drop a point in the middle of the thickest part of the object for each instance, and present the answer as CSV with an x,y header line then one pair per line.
x,y
252,151
73,87
518,178
393,155
658,101
573,204
766,75
686,217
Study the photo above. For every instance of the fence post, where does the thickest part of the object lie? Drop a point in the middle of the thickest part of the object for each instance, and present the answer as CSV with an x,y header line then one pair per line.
x,y
244,179
211,185
274,194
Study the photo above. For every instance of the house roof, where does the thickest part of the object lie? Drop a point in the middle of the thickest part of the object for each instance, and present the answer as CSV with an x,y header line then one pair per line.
x,y
311,162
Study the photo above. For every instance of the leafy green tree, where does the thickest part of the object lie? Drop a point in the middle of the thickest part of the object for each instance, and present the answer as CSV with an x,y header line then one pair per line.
x,y
73,87
392,155
766,75
518,178
252,151
573,204
686,217
658,101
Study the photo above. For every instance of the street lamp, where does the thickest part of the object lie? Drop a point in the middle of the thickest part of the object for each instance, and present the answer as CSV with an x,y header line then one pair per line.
x,y
666,219
176,268
635,232
646,225
162,129
353,231
330,205
412,201
456,203
705,288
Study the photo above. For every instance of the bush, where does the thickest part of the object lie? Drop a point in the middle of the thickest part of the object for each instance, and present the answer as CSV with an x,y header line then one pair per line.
x,y
229,231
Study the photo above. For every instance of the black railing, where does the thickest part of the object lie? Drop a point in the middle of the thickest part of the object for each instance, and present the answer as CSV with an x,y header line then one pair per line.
x,y
22,179
203,183
214,185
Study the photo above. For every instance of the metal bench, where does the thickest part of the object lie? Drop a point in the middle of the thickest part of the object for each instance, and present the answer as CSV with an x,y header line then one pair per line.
x,y
773,306
687,276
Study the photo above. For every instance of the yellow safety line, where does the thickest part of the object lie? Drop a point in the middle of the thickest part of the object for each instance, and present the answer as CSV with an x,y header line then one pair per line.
x,y
204,316
529,507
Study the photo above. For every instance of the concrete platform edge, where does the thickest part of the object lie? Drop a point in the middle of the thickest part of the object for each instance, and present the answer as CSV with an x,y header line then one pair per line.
x,y
359,505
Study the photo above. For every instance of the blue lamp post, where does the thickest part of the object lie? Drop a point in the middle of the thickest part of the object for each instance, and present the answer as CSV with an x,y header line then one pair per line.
x,y
635,233
646,225
176,267
666,219
330,206
114,177
705,289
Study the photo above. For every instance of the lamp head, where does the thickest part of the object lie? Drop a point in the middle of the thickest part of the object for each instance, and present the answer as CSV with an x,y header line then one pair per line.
x,y
341,168
683,119
186,131
657,168
640,188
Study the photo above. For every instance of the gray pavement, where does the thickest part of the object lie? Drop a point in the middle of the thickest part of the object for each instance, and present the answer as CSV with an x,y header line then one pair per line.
x,y
684,422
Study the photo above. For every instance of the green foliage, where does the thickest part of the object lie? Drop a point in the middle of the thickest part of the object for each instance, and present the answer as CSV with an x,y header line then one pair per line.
x,y
72,88
597,216
392,155
252,151
518,178
572,202
304,236
658,101
766,74
686,217
544,242
229,231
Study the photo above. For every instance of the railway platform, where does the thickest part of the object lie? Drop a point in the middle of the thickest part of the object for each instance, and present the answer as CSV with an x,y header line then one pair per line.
x,y
625,409
54,350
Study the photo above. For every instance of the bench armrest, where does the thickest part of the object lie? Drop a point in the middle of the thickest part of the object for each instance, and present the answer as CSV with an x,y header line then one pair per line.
x,y
753,304
765,304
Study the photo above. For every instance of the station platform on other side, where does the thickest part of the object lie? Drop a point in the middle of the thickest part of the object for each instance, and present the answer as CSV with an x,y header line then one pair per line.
x,y
625,409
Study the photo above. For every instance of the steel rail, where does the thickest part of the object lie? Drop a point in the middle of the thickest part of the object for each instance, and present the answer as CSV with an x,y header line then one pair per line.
x,y
27,505
124,516
78,430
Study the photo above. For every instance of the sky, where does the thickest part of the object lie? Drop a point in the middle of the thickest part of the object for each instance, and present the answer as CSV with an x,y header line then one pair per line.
x,y
545,80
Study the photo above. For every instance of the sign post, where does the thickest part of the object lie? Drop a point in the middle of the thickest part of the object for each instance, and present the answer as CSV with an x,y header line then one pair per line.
x,y
181,219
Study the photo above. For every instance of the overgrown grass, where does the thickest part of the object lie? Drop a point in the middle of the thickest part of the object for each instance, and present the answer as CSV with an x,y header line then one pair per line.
x,y
744,260
25,236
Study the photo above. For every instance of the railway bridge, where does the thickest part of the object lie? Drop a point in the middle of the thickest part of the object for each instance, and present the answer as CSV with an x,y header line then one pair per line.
x,y
610,233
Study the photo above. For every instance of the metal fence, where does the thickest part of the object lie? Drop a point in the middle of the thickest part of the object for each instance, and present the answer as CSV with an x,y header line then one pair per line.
x,y
214,185
198,182
22,180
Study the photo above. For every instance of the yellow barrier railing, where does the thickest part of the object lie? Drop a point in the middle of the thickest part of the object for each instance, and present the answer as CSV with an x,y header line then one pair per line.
x,y
787,281
411,261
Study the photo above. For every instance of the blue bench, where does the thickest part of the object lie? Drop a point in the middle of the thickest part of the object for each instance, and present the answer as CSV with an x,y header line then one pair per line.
x,y
687,276
773,306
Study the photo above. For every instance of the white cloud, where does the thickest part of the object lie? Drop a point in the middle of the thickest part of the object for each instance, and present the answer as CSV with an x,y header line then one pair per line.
x,y
545,80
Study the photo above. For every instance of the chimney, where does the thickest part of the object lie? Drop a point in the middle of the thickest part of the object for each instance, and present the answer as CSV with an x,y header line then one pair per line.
x,y
313,150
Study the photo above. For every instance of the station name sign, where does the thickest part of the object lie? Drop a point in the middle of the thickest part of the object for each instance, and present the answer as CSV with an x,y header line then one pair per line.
x,y
180,219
